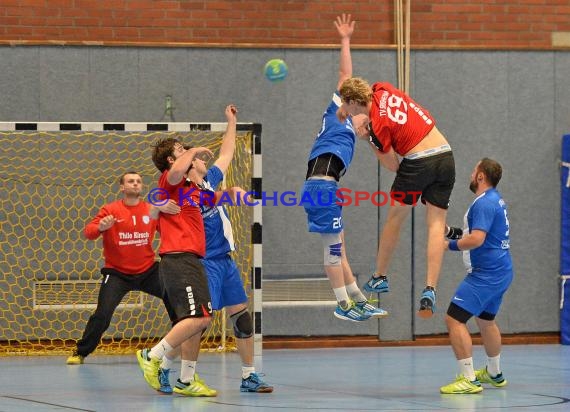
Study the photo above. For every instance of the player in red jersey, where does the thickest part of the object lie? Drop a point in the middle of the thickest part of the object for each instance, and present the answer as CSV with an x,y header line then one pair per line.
x,y
183,244
400,127
127,227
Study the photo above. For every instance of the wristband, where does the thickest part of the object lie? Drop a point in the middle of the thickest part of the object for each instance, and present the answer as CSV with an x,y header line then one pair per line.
x,y
452,245
454,233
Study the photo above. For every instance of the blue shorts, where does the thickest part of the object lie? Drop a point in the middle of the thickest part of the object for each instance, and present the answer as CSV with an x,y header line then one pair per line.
x,y
224,282
482,292
322,204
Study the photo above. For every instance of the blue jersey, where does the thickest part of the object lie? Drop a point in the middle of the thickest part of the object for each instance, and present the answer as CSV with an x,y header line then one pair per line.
x,y
335,137
219,234
488,213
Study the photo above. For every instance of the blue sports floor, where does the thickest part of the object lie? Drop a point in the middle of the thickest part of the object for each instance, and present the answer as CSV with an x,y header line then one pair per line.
x,y
360,379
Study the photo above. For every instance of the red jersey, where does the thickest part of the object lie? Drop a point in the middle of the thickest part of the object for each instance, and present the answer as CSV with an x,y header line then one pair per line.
x,y
183,232
127,245
397,120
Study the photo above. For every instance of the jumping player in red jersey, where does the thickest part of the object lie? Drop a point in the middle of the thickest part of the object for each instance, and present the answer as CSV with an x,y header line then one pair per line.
x,y
183,244
127,227
400,127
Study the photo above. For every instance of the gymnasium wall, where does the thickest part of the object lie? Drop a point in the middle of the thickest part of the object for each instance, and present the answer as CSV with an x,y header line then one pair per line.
x,y
512,106
495,76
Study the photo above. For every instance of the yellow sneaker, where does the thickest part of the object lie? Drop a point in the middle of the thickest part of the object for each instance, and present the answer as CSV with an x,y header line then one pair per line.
x,y
75,359
483,376
149,368
195,388
462,385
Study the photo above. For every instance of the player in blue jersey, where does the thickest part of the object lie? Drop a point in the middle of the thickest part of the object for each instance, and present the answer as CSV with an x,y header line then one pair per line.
x,y
224,278
485,246
329,159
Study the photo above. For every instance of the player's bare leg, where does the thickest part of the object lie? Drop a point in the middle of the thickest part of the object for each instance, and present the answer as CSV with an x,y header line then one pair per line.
x,y
435,220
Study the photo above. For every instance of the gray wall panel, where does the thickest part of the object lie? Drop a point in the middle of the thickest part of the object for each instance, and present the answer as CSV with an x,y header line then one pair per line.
x,y
114,85
64,83
561,92
20,83
163,72
531,187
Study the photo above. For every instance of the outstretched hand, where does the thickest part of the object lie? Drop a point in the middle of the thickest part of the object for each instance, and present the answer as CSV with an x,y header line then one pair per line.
x,y
344,25
170,207
231,111
202,151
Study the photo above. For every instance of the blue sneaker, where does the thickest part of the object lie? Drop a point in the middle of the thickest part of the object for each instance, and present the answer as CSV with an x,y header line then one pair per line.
x,y
164,381
427,303
377,285
371,310
353,313
254,383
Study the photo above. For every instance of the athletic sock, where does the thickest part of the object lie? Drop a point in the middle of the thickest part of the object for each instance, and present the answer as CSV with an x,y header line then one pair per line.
x,y
466,368
355,293
166,362
342,297
494,365
187,371
246,371
160,349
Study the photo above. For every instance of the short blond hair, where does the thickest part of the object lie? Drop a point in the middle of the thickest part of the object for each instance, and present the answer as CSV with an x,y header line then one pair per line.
x,y
356,89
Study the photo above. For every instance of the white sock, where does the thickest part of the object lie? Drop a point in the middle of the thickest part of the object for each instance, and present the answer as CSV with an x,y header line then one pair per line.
x,y
494,365
187,371
246,371
355,293
341,296
161,348
166,362
466,368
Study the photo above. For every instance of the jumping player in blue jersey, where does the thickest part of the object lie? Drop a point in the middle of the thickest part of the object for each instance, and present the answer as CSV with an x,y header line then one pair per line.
x,y
329,159
224,278
485,246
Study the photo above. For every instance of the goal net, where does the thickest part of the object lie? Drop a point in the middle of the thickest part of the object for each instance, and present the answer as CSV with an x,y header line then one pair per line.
x,y
52,184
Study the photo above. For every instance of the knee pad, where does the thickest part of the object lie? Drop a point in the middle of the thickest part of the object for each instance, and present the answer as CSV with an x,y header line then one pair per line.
x,y
332,249
243,324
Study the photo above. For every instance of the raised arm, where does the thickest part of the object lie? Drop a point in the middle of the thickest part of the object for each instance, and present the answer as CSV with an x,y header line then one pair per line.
x,y
182,164
103,221
345,27
170,207
229,141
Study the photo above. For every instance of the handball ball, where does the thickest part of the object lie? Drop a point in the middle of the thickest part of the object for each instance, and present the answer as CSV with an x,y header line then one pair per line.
x,y
276,70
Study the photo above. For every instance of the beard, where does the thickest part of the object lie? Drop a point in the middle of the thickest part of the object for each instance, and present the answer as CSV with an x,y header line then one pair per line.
x,y
133,192
473,186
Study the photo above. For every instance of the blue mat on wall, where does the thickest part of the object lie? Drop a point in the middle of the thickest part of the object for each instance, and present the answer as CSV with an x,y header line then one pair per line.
x,y
565,241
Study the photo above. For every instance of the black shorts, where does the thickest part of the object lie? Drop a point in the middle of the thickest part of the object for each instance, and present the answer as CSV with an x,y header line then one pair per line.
x,y
433,177
186,285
